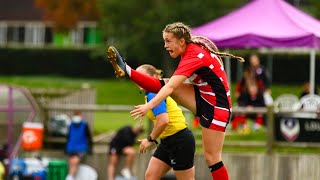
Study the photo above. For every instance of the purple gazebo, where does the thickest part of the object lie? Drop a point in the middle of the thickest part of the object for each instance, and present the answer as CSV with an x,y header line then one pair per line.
x,y
265,24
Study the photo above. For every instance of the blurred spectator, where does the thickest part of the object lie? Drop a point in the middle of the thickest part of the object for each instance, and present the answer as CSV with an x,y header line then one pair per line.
x,y
253,90
262,77
122,144
254,72
306,89
260,72
79,142
242,86
253,98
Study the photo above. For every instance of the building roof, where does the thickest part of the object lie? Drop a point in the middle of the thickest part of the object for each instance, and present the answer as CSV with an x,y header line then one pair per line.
x,y
19,10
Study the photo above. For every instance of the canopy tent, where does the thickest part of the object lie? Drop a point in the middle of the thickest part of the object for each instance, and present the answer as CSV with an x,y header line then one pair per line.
x,y
268,24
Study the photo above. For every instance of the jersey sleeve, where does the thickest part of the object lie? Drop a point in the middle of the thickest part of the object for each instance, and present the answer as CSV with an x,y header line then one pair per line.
x,y
161,108
190,62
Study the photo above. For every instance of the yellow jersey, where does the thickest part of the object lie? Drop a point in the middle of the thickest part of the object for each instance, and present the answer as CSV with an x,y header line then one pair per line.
x,y
177,121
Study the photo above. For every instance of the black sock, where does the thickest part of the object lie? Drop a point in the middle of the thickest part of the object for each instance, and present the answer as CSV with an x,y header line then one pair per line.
x,y
216,166
162,82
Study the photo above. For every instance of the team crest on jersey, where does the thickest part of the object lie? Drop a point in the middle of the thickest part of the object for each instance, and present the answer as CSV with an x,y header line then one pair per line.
x,y
289,128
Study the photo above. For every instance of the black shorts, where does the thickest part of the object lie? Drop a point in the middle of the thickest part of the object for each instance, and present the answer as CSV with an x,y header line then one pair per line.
x,y
115,150
177,150
80,154
211,117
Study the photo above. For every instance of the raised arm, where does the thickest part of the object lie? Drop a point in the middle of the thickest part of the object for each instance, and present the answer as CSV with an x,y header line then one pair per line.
x,y
174,82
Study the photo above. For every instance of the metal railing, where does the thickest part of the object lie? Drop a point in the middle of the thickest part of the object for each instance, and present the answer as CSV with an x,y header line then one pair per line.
x,y
270,144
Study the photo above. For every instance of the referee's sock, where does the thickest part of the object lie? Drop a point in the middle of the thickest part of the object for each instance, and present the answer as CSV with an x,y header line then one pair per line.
x,y
148,83
219,171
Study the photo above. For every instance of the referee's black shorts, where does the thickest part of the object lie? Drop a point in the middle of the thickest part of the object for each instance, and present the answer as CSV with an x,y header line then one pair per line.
x,y
177,150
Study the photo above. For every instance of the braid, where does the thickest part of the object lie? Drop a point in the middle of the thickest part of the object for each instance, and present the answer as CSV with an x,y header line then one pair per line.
x,y
210,46
229,55
159,73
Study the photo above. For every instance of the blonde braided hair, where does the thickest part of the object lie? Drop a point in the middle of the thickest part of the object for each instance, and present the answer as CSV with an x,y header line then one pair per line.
x,y
210,46
151,70
180,30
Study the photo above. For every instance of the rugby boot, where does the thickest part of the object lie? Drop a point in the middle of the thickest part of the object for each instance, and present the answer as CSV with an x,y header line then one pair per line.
x,y
118,64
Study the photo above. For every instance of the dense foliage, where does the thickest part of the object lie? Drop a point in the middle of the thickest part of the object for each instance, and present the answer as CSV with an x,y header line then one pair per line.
x,y
66,13
136,27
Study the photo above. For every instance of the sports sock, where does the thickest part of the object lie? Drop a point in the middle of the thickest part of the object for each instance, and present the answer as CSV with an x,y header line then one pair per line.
x,y
128,70
148,83
259,120
219,171
242,119
235,122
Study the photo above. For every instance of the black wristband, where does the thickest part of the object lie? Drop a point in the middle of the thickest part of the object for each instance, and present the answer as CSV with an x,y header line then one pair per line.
x,y
152,140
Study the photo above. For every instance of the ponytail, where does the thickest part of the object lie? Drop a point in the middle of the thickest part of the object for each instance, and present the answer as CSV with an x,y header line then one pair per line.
x,y
151,70
159,73
210,46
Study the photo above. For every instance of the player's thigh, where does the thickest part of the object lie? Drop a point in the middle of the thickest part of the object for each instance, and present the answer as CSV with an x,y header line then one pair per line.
x,y
187,174
212,142
129,150
156,169
113,159
185,96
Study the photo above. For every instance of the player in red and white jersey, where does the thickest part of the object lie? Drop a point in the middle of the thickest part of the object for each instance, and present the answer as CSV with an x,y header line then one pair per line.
x,y
208,96
205,70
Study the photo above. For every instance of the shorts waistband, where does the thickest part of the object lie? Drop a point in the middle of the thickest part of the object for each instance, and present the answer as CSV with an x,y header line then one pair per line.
x,y
174,135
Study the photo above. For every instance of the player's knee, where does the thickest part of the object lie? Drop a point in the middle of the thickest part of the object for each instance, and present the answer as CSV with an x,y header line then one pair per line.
x,y
150,176
130,151
212,157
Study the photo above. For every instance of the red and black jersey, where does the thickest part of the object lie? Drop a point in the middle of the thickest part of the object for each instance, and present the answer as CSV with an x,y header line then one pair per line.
x,y
206,71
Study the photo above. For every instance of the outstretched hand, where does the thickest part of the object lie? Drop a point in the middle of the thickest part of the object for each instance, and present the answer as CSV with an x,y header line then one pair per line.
x,y
139,111
144,145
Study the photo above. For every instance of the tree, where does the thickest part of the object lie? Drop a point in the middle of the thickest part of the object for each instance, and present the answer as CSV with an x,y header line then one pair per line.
x,y
313,7
135,27
66,13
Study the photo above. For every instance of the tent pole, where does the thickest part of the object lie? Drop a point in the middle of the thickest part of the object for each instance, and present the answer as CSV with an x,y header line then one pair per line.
x,y
312,70
10,122
239,70
270,65
228,67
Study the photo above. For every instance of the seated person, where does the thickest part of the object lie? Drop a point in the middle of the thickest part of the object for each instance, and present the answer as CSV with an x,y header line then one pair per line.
x,y
254,98
122,144
306,89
